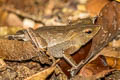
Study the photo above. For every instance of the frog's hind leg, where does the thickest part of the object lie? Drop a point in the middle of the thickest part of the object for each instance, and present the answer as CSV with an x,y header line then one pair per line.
x,y
3,65
15,37
32,35
20,35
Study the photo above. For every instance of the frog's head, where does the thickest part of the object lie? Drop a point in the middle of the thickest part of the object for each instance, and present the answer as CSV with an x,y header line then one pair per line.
x,y
90,31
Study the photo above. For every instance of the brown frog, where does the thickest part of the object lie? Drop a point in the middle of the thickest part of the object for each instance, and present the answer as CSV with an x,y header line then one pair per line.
x,y
60,41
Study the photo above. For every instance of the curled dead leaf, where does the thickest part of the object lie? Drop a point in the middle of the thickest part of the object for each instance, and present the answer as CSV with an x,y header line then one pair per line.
x,y
94,6
96,69
43,74
13,50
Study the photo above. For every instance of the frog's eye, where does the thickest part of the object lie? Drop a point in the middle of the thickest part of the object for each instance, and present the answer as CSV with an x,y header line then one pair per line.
x,y
88,31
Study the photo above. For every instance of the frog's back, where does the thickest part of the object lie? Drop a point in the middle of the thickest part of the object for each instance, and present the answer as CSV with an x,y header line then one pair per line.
x,y
53,34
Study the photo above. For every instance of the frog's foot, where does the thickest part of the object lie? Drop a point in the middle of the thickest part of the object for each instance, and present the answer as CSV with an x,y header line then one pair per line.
x,y
76,69
3,65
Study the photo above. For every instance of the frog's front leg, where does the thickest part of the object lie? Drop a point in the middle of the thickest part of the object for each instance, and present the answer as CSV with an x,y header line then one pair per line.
x,y
3,65
64,51
72,62
69,59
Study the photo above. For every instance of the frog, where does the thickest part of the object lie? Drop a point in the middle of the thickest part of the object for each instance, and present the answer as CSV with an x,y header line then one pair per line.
x,y
59,41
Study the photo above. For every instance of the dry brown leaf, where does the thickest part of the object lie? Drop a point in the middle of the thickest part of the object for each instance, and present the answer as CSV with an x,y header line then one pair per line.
x,y
13,50
113,62
13,20
43,74
3,16
93,77
96,69
110,52
115,43
94,6
88,73
49,7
